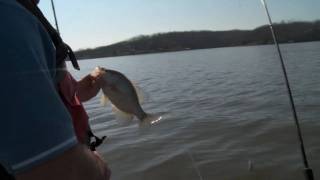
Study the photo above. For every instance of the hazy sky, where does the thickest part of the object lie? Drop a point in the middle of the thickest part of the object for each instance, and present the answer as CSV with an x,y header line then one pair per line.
x,y
92,23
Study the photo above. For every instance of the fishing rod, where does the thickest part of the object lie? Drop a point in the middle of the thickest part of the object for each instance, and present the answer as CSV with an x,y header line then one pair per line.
x,y
55,16
71,55
308,171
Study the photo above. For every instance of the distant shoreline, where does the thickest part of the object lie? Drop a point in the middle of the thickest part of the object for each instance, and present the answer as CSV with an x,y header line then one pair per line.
x,y
294,32
198,49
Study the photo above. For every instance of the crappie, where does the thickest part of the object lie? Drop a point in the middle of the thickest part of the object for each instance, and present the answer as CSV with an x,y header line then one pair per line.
x,y
120,91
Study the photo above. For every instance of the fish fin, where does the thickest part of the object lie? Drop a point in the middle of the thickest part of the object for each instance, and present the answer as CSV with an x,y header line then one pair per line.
x,y
139,92
150,119
104,100
121,116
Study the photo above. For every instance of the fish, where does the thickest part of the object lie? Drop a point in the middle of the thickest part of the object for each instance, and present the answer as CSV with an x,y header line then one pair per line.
x,y
121,92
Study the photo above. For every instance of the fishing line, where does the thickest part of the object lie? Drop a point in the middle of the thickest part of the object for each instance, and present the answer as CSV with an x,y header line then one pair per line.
x,y
55,16
308,171
194,166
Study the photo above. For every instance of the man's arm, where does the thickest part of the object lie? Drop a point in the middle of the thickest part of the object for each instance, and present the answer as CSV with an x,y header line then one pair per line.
x,y
36,129
78,163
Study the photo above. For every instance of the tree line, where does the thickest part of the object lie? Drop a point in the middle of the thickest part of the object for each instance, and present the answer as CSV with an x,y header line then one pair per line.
x,y
187,40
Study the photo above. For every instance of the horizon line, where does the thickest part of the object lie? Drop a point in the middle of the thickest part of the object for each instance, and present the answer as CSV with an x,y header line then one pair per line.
x,y
203,30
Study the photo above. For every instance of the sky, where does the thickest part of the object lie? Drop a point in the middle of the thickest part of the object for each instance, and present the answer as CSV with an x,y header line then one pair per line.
x,y
88,24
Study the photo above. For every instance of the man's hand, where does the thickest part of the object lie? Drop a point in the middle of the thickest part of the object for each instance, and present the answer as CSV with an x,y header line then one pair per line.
x,y
89,86
103,165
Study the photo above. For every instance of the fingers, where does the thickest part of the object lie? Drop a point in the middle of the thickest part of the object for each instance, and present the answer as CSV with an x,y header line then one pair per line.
x,y
97,72
96,76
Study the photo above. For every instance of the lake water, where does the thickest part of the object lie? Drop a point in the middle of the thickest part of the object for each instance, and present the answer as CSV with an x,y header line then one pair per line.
x,y
223,110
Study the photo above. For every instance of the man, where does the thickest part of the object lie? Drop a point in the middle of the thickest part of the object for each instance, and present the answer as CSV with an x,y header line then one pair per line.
x,y
38,137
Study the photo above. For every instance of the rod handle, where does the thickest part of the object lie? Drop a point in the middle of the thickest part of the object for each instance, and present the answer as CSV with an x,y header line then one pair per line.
x,y
308,174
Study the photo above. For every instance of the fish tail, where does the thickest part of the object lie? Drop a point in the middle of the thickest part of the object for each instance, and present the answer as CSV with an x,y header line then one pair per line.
x,y
150,119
